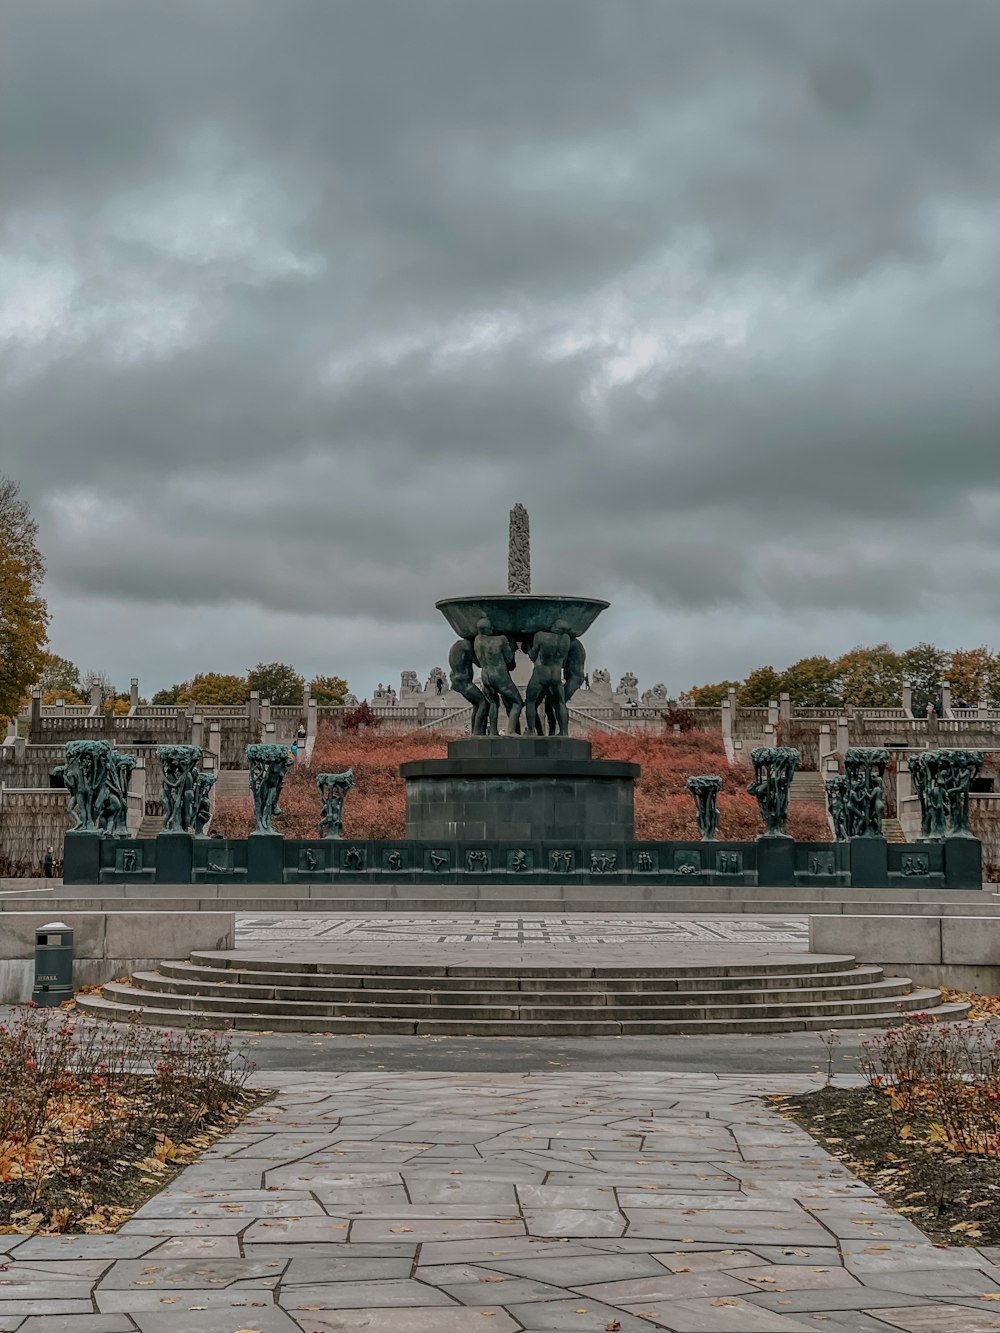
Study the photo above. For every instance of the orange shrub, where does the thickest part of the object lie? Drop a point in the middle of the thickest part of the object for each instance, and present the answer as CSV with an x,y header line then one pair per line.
x,y
375,806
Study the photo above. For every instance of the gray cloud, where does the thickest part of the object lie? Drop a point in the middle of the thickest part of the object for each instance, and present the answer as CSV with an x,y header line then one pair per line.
x,y
296,300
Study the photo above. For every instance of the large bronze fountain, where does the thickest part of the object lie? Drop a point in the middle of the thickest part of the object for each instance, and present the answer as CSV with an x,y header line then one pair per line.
x,y
520,775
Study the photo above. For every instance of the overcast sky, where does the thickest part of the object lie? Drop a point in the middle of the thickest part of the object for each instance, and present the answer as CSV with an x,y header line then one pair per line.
x,y
297,298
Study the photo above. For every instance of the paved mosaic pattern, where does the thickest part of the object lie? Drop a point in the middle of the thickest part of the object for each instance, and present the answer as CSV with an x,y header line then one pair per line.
x,y
432,1203
468,928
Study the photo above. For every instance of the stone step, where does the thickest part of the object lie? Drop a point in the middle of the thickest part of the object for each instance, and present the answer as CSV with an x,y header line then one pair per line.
x,y
221,963
151,825
232,783
207,978
892,830
817,1020
472,1010
433,1003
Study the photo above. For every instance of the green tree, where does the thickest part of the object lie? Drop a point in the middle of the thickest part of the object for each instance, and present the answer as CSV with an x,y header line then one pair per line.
x,y
212,687
277,681
812,682
102,681
167,696
328,690
24,616
969,674
760,687
707,696
60,675
924,668
871,677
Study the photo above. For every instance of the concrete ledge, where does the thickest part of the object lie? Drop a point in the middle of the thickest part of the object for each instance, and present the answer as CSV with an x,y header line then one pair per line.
x,y
109,944
960,952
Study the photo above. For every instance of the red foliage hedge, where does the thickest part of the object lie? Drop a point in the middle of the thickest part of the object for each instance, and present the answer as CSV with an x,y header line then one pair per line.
x,y
375,807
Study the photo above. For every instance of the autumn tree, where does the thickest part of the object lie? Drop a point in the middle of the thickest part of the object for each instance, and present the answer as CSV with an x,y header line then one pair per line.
x,y
329,691
970,673
277,681
24,616
812,682
211,687
707,696
760,687
924,668
60,676
871,677
167,696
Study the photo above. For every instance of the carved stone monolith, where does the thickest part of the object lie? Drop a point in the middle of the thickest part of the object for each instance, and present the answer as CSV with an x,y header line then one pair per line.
x,y
519,551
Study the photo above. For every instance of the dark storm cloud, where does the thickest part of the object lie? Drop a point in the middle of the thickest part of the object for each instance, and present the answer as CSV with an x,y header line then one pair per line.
x,y
300,298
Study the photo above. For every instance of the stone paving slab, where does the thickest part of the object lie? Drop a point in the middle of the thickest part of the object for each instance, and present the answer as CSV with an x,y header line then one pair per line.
x,y
710,1214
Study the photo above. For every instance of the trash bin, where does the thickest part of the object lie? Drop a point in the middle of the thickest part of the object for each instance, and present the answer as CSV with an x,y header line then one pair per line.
x,y
53,965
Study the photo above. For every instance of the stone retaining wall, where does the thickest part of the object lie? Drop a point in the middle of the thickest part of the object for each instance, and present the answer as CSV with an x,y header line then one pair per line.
x,y
961,952
109,944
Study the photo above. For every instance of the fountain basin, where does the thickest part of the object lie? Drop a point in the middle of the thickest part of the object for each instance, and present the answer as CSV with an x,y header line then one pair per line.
x,y
519,614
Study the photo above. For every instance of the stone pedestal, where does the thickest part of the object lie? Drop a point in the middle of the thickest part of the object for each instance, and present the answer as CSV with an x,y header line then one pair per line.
x,y
265,858
963,863
776,861
502,788
81,858
869,863
174,858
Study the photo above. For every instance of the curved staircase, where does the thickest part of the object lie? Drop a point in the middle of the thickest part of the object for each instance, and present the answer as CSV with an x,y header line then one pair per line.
x,y
252,992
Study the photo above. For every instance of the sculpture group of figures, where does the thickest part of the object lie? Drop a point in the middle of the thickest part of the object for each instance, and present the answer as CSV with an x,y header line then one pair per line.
x,y
856,801
773,770
559,659
96,775
942,780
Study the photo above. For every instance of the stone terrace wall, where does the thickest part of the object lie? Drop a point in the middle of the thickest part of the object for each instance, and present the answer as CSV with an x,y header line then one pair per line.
x,y
30,821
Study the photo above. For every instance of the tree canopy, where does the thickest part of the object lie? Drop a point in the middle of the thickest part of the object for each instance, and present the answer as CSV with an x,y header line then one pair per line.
x,y
212,687
330,691
277,681
24,616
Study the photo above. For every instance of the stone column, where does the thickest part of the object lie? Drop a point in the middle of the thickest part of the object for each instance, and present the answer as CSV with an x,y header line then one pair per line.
x,y
843,735
35,724
727,719
519,552
908,700
198,731
312,720
826,745
946,700
265,713
253,712
133,694
214,742
773,713
785,707
95,699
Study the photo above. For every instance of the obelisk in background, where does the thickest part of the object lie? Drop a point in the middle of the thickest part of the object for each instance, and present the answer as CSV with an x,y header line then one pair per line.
x,y
519,551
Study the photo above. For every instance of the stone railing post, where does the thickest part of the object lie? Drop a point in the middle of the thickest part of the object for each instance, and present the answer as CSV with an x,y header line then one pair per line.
x,y
908,700
265,712
826,745
136,798
214,742
96,699
773,713
253,712
133,694
785,706
946,700
843,735
35,721
312,720
198,731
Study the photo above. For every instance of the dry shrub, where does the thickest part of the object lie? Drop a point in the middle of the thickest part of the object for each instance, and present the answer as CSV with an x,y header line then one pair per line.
x,y
944,1076
376,806
92,1113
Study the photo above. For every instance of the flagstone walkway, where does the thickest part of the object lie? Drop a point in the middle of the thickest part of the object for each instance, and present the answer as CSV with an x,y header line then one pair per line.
x,y
440,1203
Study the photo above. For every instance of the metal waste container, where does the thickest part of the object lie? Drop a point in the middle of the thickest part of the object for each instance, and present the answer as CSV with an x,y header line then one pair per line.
x,y
53,965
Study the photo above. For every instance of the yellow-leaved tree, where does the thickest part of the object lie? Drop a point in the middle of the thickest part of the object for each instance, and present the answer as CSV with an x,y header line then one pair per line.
x,y
24,616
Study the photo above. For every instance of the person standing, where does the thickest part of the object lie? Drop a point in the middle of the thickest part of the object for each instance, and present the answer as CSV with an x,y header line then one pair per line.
x,y
48,862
